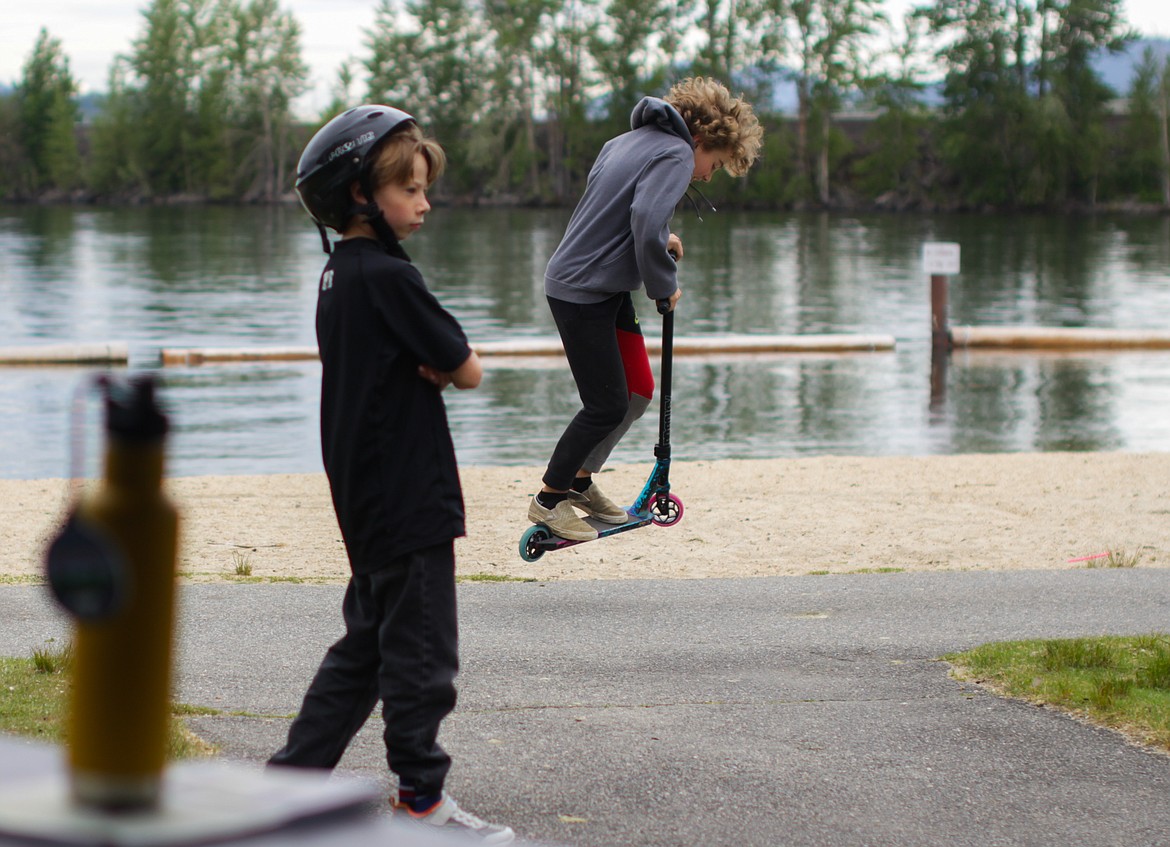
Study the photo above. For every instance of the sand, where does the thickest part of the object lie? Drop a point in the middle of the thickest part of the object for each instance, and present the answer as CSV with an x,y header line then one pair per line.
x,y
742,519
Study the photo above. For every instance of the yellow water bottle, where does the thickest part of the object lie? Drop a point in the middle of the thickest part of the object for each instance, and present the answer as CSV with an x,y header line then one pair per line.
x,y
113,567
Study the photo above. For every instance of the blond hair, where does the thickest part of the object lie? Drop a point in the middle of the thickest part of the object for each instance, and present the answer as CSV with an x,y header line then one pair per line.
x,y
719,121
394,159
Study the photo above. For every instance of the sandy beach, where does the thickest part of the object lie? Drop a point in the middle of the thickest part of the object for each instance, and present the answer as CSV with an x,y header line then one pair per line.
x,y
742,519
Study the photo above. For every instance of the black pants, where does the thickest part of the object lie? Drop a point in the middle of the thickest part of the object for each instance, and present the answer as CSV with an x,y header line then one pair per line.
x,y
590,335
400,644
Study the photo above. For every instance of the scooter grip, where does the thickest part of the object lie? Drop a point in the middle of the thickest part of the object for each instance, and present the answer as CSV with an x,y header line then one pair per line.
x,y
664,304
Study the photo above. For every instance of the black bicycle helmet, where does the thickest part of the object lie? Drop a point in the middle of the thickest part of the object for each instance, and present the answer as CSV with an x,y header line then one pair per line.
x,y
336,156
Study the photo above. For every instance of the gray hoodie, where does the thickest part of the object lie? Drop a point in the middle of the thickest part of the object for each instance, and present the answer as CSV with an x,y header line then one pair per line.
x,y
616,238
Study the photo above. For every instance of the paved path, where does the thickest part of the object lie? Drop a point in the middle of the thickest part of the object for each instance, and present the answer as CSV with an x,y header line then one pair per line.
x,y
787,711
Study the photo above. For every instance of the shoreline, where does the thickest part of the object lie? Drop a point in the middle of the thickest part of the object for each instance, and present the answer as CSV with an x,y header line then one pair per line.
x,y
742,518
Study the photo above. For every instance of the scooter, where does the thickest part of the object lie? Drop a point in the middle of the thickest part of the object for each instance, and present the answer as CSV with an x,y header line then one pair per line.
x,y
655,505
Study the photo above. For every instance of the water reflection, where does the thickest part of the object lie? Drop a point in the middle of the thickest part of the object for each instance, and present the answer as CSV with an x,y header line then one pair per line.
x,y
198,276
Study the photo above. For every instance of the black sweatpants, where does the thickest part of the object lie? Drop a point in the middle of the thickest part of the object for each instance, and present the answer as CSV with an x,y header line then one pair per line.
x,y
606,354
400,644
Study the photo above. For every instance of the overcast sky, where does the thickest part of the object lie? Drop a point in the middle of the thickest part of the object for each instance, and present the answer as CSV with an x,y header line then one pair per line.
x,y
92,32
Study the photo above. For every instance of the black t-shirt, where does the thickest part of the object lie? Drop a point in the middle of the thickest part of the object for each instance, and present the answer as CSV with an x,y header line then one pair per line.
x,y
384,433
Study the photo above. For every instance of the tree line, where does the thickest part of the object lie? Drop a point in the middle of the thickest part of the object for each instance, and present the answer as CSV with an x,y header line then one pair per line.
x,y
522,93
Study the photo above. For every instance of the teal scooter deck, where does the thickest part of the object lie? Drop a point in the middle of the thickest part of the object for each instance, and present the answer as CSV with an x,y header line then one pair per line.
x,y
539,539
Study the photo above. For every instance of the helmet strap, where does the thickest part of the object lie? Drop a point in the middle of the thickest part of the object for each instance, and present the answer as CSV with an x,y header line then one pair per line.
x,y
382,229
326,245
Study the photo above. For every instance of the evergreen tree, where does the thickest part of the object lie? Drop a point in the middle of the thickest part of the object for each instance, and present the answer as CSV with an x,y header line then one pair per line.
x,y
1145,162
988,138
13,163
1073,31
117,153
48,117
164,60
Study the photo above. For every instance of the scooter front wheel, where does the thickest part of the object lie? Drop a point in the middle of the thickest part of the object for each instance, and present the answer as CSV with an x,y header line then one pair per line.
x,y
668,513
530,549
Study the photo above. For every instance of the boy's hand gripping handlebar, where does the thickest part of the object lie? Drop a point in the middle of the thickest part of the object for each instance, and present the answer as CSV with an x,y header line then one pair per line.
x,y
664,303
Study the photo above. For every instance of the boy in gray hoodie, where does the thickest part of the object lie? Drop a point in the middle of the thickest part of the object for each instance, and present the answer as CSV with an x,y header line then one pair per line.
x,y
619,240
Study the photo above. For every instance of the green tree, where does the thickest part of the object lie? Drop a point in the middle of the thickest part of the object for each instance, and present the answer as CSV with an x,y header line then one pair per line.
x,y
117,152
829,38
12,160
1145,162
429,58
1072,32
629,52
48,117
736,35
898,136
268,73
504,144
1026,111
988,137
164,61
572,140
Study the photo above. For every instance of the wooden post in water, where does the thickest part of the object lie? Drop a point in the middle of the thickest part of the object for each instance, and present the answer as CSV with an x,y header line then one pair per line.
x,y
940,333
939,260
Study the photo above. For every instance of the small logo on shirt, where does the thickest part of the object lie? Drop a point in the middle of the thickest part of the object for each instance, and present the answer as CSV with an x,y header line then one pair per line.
x,y
326,280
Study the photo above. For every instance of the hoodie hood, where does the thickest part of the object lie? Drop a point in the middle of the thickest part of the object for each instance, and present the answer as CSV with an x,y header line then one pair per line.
x,y
656,112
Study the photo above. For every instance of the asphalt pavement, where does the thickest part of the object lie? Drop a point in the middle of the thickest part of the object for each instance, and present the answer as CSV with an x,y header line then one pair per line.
x,y
778,711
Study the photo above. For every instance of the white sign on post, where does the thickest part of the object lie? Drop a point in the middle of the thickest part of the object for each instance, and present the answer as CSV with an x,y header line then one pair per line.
x,y
940,258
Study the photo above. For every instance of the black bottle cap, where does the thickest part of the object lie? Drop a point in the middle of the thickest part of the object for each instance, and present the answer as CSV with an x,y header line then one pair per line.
x,y
132,412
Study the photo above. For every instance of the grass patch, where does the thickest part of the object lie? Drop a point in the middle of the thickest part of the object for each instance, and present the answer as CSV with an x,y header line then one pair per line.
x,y
1115,559
243,563
34,695
493,577
851,573
1118,682
233,579
22,579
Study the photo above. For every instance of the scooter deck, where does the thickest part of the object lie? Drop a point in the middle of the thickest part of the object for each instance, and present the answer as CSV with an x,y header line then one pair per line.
x,y
538,539
555,542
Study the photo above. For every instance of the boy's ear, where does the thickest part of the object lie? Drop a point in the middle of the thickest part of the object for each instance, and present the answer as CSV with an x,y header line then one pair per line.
x,y
355,191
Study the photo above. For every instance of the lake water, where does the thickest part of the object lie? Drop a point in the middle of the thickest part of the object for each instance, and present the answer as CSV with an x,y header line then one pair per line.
x,y
238,277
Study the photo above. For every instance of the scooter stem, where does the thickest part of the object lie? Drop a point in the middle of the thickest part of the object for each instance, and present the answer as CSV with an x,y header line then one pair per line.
x,y
662,448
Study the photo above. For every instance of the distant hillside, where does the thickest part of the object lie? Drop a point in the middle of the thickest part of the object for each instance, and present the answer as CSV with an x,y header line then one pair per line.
x,y
1115,69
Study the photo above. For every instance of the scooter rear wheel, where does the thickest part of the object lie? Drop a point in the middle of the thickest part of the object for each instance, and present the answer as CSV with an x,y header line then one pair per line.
x,y
667,514
530,550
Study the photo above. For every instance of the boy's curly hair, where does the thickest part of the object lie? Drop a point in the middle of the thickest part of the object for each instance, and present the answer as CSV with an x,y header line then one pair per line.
x,y
719,121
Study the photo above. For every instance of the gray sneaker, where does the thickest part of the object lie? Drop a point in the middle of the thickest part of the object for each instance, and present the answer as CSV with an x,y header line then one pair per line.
x,y
593,502
561,520
449,821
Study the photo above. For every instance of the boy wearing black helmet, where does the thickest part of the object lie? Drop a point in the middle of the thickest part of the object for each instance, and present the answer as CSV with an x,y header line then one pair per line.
x,y
387,351
619,240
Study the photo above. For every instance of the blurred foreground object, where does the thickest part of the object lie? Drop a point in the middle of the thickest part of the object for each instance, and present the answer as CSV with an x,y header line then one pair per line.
x,y
113,568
